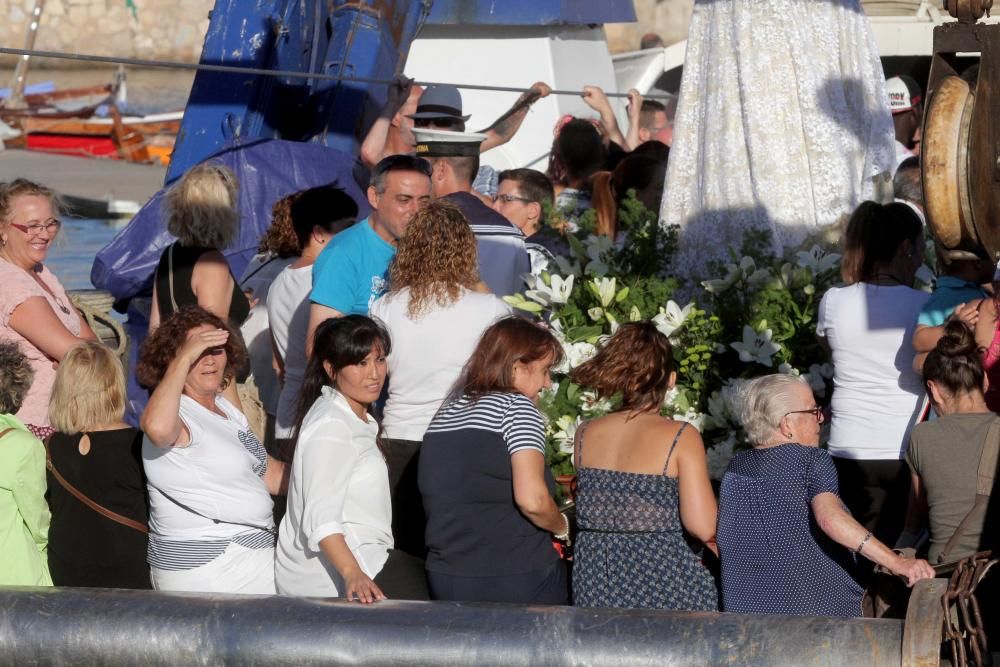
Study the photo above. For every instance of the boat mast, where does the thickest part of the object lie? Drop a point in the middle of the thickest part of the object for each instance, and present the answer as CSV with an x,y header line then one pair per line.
x,y
16,98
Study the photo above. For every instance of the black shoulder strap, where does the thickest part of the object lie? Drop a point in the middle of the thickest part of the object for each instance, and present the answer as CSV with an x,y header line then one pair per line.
x,y
674,444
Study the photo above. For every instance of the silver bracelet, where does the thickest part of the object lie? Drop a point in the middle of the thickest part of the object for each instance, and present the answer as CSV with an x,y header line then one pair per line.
x,y
861,546
563,536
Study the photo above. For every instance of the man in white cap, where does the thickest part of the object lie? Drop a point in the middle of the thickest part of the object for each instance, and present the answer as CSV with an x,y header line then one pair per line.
x,y
440,107
907,114
454,159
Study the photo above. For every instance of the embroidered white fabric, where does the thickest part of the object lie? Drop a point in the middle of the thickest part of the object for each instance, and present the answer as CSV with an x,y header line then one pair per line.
x,y
782,124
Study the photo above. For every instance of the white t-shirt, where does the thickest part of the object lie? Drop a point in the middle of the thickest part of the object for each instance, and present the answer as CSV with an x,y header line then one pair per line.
x,y
339,484
876,394
428,354
219,476
288,312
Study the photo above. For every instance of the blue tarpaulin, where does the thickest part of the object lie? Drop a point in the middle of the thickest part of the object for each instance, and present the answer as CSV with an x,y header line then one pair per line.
x,y
267,169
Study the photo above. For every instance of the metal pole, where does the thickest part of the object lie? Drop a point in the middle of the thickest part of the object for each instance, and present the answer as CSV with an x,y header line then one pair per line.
x,y
16,98
116,627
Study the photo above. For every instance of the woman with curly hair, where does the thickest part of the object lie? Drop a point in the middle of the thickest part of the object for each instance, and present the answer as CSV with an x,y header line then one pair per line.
x,y
278,248
436,311
202,215
210,480
642,482
24,516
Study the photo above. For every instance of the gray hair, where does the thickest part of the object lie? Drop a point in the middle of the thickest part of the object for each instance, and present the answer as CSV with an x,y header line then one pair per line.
x,y
765,401
907,184
15,377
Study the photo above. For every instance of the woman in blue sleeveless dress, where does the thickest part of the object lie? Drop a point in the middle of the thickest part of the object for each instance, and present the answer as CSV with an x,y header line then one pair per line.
x,y
641,483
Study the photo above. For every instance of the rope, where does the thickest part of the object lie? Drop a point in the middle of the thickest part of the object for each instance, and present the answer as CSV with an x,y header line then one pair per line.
x,y
291,74
94,314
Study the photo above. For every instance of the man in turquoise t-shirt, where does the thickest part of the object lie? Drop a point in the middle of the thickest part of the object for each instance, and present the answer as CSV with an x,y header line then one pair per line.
x,y
352,271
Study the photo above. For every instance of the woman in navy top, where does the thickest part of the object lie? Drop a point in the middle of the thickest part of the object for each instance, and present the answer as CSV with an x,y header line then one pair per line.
x,y
783,528
486,488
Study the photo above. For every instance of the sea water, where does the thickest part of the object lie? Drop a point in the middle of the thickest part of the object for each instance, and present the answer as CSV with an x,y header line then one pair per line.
x,y
72,255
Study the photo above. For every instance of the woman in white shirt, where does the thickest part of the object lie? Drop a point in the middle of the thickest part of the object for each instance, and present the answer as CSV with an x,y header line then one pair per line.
x,y
336,537
868,326
209,478
316,215
436,311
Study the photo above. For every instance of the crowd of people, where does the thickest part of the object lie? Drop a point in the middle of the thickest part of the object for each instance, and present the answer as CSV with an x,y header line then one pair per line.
x,y
387,442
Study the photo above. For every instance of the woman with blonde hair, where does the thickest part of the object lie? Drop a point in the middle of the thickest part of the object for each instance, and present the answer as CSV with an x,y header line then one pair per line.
x,y
97,489
201,213
435,312
35,311
642,481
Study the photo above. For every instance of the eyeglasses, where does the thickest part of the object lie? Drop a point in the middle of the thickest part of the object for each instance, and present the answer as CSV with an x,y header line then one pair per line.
x,y
511,198
816,412
52,227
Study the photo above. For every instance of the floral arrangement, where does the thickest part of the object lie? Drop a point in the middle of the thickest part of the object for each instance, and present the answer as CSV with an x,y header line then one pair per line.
x,y
759,317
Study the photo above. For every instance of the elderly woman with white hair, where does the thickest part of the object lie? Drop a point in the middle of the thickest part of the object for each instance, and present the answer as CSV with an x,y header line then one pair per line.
x,y
786,542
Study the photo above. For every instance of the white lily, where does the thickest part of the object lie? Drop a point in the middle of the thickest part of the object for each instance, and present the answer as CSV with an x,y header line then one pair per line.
x,y
756,347
565,433
720,285
605,288
595,313
787,369
593,406
577,353
561,288
817,260
817,376
693,417
672,317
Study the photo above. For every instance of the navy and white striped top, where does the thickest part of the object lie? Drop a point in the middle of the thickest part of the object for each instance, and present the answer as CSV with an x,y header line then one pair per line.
x,y
474,527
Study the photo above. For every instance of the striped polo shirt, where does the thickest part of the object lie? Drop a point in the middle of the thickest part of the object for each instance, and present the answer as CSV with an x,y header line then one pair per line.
x,y
474,527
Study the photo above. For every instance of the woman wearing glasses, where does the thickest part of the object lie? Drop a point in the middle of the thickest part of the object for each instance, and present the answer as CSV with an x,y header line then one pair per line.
x,y
35,311
786,542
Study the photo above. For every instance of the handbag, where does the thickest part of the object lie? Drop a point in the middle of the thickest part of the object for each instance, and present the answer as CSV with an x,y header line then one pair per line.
x,y
79,495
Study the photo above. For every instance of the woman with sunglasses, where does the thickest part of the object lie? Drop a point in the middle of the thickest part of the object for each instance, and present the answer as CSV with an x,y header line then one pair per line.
x,y
786,542
35,311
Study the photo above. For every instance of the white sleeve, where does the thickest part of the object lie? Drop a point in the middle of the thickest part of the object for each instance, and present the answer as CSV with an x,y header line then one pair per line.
x,y
822,319
328,459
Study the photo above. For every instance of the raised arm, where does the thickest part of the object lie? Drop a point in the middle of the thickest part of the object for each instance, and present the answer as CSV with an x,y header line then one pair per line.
x,y
634,114
597,100
161,420
699,511
506,126
842,528
373,146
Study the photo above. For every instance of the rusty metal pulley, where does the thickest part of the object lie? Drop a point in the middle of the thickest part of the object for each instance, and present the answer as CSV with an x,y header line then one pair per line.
x,y
968,11
960,154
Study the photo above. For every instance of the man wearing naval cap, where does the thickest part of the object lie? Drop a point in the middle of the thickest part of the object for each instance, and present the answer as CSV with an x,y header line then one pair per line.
x,y
454,158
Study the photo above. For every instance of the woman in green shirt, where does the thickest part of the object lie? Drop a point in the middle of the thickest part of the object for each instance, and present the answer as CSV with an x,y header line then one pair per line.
x,y
24,516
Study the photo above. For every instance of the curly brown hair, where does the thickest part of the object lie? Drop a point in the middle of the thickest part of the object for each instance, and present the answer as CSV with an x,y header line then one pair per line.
x,y
160,348
280,238
436,258
636,362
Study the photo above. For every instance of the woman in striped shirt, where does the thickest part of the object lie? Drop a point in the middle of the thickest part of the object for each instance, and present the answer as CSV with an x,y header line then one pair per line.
x,y
485,485
210,480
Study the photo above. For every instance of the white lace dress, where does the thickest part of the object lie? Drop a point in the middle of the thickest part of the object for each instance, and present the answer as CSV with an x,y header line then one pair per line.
x,y
782,124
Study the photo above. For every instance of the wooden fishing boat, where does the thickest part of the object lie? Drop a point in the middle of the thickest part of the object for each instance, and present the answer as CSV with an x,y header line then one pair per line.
x,y
133,138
